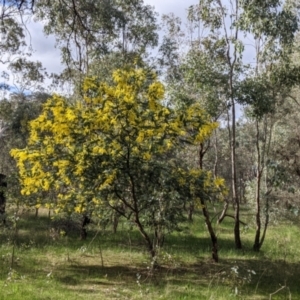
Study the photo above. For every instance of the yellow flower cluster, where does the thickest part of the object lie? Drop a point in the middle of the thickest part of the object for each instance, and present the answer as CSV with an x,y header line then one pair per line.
x,y
77,149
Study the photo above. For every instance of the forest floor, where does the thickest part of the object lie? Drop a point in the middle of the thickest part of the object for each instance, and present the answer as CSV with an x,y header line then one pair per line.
x,y
43,259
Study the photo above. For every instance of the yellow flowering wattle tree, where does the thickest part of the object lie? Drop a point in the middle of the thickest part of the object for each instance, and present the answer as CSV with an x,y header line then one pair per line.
x,y
116,149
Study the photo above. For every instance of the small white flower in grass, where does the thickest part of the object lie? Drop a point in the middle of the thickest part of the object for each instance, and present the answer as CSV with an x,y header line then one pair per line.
x,y
49,274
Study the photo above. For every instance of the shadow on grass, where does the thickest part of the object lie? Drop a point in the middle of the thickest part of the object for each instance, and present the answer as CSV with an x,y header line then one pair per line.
x,y
39,233
251,273
266,276
259,277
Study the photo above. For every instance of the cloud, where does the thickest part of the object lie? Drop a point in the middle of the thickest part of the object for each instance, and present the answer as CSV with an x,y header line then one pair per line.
x,y
44,48
46,52
49,56
178,7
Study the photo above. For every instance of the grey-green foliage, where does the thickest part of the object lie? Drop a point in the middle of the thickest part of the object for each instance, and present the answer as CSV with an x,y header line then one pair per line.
x,y
286,139
14,51
215,73
217,45
13,15
273,21
283,162
27,75
15,115
85,30
88,30
258,93
169,56
273,24
205,75
12,38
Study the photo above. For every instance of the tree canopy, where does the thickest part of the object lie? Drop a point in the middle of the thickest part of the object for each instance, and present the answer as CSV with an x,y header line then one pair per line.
x,y
116,148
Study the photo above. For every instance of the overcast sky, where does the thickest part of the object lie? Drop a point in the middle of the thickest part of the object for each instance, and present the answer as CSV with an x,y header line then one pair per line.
x,y
178,7
49,56
44,46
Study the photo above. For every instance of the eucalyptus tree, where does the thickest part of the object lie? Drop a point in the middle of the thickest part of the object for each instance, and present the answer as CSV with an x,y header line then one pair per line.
x,y
216,64
12,30
15,47
86,32
186,70
90,32
284,157
270,81
208,73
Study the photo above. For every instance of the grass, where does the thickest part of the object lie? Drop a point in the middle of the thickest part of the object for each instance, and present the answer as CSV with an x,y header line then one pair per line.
x,y
49,265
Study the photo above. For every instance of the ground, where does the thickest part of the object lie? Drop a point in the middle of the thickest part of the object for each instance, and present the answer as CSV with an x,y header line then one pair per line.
x,y
45,259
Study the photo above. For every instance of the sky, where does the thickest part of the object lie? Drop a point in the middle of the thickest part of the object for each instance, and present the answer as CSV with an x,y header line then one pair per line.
x,y
44,46
49,56
178,7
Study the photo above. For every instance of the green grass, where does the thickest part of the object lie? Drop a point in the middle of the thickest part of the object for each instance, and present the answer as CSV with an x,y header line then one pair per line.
x,y
48,265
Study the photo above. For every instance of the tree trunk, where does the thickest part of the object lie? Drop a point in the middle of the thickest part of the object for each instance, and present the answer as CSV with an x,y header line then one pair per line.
x,y
146,237
216,155
202,152
115,221
266,224
213,237
85,221
191,212
237,237
232,57
256,245
223,213
3,185
159,237
258,240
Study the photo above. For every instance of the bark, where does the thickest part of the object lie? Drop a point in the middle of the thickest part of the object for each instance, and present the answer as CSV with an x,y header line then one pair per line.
x,y
3,185
213,237
146,237
159,237
83,233
223,213
230,216
237,237
266,224
216,155
202,152
191,212
115,221
256,245
231,57
140,226
258,240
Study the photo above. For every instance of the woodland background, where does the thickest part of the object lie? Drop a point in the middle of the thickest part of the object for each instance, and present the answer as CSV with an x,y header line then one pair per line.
x,y
169,140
